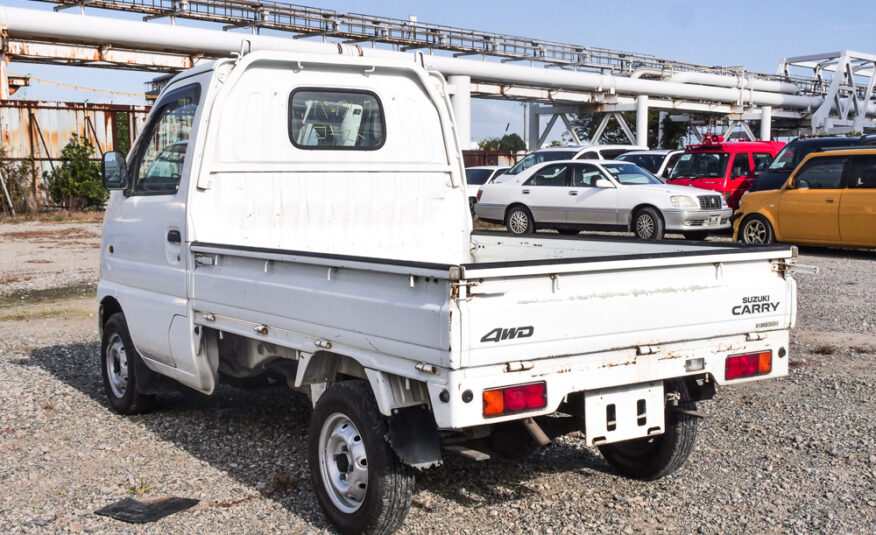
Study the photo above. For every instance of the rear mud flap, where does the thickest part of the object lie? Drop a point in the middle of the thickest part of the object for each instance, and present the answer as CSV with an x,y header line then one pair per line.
x,y
413,436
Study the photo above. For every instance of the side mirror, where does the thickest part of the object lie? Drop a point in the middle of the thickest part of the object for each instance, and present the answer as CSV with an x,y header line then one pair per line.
x,y
801,184
603,183
114,171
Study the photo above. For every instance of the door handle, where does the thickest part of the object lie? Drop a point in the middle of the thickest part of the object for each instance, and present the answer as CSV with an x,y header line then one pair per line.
x,y
573,193
174,237
829,200
526,192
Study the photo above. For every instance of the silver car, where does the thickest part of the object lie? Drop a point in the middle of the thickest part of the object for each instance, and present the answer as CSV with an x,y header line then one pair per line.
x,y
570,196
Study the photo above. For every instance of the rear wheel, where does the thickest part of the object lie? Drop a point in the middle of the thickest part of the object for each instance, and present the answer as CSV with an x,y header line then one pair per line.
x,y
359,482
118,360
655,457
519,220
648,224
755,229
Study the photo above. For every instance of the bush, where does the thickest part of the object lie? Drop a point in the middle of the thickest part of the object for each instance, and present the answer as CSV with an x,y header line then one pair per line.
x,y
17,176
75,184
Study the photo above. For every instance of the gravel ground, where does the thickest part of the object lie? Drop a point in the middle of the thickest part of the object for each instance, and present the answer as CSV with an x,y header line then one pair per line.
x,y
793,455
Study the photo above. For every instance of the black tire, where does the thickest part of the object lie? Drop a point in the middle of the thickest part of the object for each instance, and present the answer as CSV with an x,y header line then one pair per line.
x,y
652,458
390,484
567,231
519,221
697,235
648,224
756,230
119,362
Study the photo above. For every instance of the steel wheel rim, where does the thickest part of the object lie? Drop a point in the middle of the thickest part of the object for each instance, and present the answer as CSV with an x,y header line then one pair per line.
x,y
518,222
755,232
343,463
117,366
645,226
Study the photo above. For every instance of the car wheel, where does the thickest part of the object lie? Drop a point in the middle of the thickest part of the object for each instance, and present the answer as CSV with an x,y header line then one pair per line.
x,y
651,458
648,224
360,483
519,221
699,235
118,360
756,230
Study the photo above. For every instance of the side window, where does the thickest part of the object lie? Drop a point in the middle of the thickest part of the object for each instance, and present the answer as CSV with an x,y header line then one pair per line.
x,y
821,173
862,172
162,152
552,175
336,120
762,160
741,165
585,176
670,165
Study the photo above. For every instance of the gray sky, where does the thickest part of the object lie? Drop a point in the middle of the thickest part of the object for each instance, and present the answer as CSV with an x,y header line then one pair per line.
x,y
754,34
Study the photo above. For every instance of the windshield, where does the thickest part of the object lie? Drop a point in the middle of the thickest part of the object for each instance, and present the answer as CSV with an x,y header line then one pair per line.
x,y
477,177
539,157
651,162
630,174
701,165
786,160
793,153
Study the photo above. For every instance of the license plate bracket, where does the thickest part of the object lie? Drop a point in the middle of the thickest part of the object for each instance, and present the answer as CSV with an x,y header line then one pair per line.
x,y
624,413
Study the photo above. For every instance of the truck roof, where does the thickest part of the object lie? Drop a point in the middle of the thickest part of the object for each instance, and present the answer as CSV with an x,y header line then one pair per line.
x,y
716,143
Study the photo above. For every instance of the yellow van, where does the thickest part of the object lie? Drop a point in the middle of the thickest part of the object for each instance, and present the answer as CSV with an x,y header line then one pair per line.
x,y
829,199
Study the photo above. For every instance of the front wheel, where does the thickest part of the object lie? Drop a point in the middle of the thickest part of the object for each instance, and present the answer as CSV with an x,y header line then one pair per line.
x,y
651,458
648,224
756,230
118,360
359,482
519,221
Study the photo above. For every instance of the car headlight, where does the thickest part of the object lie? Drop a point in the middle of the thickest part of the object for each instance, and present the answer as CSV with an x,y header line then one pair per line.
x,y
724,201
683,201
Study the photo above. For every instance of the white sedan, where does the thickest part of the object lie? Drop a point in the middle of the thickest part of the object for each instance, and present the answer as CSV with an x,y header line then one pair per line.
x,y
570,196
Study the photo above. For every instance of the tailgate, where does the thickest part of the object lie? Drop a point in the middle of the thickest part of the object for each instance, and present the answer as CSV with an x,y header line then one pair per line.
x,y
539,309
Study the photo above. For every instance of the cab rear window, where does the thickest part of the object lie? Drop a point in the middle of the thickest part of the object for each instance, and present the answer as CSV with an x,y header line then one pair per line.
x,y
331,119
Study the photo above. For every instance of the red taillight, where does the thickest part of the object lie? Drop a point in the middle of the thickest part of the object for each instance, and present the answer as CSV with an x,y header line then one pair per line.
x,y
749,365
479,194
511,399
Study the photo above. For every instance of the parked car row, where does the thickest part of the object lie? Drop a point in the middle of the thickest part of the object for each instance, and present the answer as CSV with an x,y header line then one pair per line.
x,y
829,198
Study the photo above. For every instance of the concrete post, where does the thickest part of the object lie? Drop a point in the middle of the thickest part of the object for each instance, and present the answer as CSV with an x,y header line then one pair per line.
x,y
642,120
766,120
533,128
461,102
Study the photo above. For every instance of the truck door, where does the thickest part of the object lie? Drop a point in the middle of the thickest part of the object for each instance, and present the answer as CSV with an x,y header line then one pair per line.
x,y
809,210
146,227
741,177
857,210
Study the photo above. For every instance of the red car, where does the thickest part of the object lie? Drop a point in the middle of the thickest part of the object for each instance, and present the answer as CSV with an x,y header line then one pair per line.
x,y
726,167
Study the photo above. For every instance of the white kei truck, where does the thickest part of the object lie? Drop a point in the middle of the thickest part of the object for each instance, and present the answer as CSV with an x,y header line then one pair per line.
x,y
304,217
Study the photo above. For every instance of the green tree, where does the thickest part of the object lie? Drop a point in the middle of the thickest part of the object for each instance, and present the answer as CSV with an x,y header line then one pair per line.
x,y
75,184
585,125
508,142
122,132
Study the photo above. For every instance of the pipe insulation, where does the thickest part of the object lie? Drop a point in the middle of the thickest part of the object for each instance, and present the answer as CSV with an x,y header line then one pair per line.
x,y
32,24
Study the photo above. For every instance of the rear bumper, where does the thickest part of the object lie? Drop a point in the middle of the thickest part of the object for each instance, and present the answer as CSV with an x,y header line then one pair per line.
x,y
490,212
565,375
697,220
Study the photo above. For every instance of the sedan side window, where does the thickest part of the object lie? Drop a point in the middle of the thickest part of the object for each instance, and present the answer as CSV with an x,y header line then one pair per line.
x,y
160,159
585,176
862,172
821,173
552,175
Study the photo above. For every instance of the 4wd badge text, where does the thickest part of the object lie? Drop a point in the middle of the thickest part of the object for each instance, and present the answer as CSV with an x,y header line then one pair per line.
x,y
498,334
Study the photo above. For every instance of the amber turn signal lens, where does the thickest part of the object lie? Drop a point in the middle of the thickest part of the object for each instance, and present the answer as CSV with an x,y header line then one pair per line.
x,y
494,402
765,362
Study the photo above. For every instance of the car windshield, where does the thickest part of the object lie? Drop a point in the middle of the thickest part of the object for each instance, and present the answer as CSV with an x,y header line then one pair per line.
x,y
793,153
786,160
630,174
650,162
477,177
701,165
539,157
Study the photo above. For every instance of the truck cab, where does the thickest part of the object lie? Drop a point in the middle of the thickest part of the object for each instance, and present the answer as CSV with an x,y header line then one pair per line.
x,y
726,167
